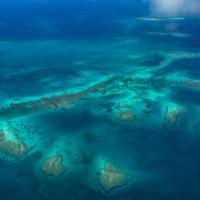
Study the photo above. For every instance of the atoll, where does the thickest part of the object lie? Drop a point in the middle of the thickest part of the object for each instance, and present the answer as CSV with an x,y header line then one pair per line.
x,y
53,166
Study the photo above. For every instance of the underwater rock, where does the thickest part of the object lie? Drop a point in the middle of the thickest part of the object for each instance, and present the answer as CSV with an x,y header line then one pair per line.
x,y
12,146
126,116
111,177
53,166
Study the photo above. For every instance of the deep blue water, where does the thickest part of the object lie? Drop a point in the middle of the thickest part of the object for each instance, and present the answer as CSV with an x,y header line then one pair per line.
x,y
110,57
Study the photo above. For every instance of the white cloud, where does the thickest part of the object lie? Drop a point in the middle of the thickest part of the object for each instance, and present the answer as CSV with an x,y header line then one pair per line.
x,y
175,7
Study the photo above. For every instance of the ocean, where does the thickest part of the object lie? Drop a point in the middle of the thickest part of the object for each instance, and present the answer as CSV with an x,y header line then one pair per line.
x,y
99,100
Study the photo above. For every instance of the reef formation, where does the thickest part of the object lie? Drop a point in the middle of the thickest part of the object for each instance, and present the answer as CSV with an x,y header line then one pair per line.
x,y
12,145
129,98
53,166
111,87
111,177
126,116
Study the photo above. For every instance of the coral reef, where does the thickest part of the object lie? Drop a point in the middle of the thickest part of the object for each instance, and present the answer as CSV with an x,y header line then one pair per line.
x,y
111,177
111,88
147,110
126,116
192,84
63,101
175,118
12,146
53,166
172,115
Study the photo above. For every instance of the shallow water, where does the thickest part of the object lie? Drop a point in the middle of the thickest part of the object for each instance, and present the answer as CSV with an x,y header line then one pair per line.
x,y
99,100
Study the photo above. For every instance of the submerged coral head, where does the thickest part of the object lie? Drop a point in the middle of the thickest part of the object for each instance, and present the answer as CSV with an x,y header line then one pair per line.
x,y
53,166
111,177
12,146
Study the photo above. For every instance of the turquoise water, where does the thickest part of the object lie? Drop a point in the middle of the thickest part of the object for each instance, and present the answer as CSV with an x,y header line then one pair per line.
x,y
99,100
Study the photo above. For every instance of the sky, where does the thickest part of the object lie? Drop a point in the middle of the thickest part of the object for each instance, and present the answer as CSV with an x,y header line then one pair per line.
x,y
156,7
174,7
159,7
